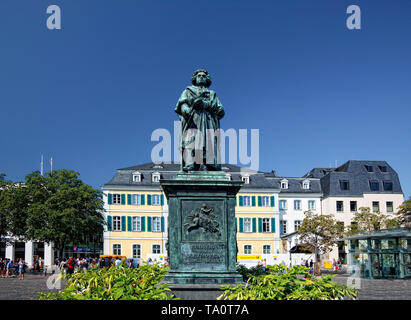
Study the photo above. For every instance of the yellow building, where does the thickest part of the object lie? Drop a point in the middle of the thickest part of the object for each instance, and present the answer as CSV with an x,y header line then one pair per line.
x,y
137,211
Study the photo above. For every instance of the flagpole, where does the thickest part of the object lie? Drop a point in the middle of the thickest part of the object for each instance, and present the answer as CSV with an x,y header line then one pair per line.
x,y
51,164
42,165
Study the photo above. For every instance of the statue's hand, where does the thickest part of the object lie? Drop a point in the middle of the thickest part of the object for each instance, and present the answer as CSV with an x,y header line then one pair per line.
x,y
185,110
198,104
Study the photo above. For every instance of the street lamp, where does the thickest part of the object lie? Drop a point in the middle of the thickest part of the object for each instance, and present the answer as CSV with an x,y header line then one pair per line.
x,y
289,249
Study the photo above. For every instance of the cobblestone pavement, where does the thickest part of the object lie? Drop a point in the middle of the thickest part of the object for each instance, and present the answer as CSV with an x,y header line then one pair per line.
x,y
380,289
15,289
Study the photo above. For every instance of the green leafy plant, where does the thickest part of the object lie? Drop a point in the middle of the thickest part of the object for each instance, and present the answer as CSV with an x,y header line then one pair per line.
x,y
115,283
283,283
249,272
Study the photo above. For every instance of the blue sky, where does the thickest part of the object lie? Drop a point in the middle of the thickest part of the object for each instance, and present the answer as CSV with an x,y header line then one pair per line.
x,y
90,95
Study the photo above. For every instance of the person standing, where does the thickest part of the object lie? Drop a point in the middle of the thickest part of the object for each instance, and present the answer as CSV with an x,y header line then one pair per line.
x,y
70,265
21,266
9,265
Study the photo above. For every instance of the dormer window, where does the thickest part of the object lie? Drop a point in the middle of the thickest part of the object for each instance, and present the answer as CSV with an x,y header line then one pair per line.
x,y
245,179
136,176
156,177
284,184
306,184
369,168
383,168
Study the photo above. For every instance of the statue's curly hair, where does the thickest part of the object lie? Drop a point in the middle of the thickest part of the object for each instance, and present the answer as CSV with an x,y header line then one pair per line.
x,y
208,79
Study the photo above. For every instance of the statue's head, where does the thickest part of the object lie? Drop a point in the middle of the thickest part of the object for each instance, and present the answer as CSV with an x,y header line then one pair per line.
x,y
201,78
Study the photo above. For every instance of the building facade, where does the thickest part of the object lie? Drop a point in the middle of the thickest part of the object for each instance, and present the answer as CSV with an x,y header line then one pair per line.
x,y
268,207
357,184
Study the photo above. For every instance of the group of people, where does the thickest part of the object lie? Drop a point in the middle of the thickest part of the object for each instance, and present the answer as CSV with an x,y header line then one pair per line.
x,y
337,264
72,265
9,268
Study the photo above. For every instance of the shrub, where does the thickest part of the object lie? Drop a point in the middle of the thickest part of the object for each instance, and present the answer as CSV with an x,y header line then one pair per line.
x,y
283,283
253,271
114,283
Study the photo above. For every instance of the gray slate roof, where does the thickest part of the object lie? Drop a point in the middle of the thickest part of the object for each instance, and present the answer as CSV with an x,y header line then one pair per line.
x,y
355,172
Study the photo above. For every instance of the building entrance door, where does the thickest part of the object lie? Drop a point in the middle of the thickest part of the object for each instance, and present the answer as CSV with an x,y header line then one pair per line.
x,y
390,265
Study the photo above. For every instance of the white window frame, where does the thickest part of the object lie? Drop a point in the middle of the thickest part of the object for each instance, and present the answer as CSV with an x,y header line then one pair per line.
x,y
116,198
248,202
136,177
116,221
245,179
248,224
136,199
155,224
156,245
114,250
267,223
299,206
136,223
155,177
138,249
158,199
283,223
311,205
250,248
265,201
284,184
265,246
297,224
286,204
306,184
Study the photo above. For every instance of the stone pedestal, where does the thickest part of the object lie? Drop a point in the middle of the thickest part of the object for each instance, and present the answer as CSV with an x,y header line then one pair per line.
x,y
202,247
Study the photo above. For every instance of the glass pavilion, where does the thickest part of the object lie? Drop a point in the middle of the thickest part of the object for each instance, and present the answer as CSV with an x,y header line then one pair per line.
x,y
380,254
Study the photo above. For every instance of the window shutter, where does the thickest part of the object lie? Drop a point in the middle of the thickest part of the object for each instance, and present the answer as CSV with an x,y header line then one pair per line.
x,y
110,198
142,199
235,201
129,199
260,224
273,225
149,224
129,225
162,224
123,198
123,223
240,200
162,199
253,201
143,223
260,203
254,225
109,223
241,224
236,225
149,199
272,202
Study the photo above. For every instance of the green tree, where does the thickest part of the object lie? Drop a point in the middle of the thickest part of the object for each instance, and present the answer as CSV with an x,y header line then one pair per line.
x,y
365,220
62,209
404,213
320,232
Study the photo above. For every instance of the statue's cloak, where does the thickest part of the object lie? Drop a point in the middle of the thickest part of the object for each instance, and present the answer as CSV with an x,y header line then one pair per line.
x,y
194,126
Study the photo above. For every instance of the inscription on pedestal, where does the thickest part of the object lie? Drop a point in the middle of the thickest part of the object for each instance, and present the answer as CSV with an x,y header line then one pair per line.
x,y
204,253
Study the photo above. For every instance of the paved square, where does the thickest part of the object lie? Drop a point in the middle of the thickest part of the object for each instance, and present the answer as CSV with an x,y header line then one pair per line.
x,y
15,289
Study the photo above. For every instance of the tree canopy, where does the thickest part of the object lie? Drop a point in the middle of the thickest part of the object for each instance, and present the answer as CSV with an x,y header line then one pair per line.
x,y
320,232
56,208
